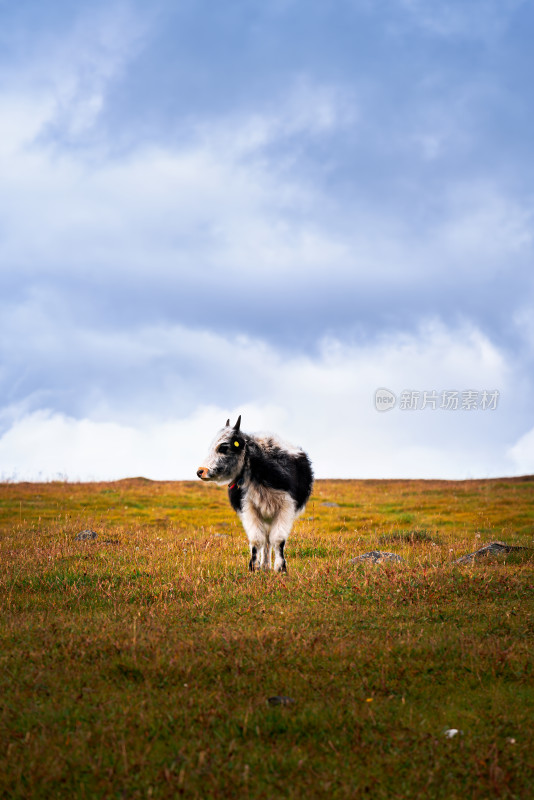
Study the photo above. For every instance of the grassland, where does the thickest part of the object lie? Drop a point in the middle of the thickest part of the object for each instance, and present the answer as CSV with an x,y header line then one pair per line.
x,y
139,665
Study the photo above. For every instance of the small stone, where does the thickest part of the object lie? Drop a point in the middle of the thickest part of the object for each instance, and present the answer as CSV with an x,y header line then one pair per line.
x,y
450,733
330,505
376,556
279,700
86,535
491,549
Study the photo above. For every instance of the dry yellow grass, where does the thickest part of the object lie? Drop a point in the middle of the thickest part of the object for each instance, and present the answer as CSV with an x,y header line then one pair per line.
x,y
139,664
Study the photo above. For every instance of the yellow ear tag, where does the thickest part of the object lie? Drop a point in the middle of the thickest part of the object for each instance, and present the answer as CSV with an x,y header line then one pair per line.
x,y
236,444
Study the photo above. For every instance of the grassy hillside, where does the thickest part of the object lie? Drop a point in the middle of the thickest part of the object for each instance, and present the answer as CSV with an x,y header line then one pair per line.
x,y
140,664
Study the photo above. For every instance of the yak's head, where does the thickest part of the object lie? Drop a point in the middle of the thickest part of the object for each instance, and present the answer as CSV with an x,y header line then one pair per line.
x,y
226,456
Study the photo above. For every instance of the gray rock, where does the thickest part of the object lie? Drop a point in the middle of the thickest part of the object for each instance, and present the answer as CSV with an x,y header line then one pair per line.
x,y
491,549
330,505
376,556
279,700
84,536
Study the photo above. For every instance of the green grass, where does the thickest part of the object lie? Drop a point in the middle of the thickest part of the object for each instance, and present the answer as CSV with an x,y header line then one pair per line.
x,y
139,664
415,536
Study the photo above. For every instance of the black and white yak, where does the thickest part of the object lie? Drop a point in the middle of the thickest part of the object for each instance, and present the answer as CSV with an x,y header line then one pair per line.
x,y
269,483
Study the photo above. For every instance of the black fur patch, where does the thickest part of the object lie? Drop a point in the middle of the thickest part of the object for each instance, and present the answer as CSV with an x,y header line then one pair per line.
x,y
281,551
278,469
240,439
304,480
252,562
235,495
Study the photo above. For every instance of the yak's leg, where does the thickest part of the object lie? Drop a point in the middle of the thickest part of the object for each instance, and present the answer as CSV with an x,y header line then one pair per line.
x,y
260,554
279,560
265,556
279,532
256,537
253,558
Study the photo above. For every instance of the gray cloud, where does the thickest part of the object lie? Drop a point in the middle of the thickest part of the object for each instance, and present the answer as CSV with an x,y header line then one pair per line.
x,y
199,257
324,401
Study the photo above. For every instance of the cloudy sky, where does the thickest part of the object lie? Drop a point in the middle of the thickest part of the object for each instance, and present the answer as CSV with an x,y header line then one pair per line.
x,y
271,209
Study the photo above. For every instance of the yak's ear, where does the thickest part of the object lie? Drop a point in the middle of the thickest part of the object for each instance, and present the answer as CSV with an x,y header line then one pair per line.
x,y
238,423
227,423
